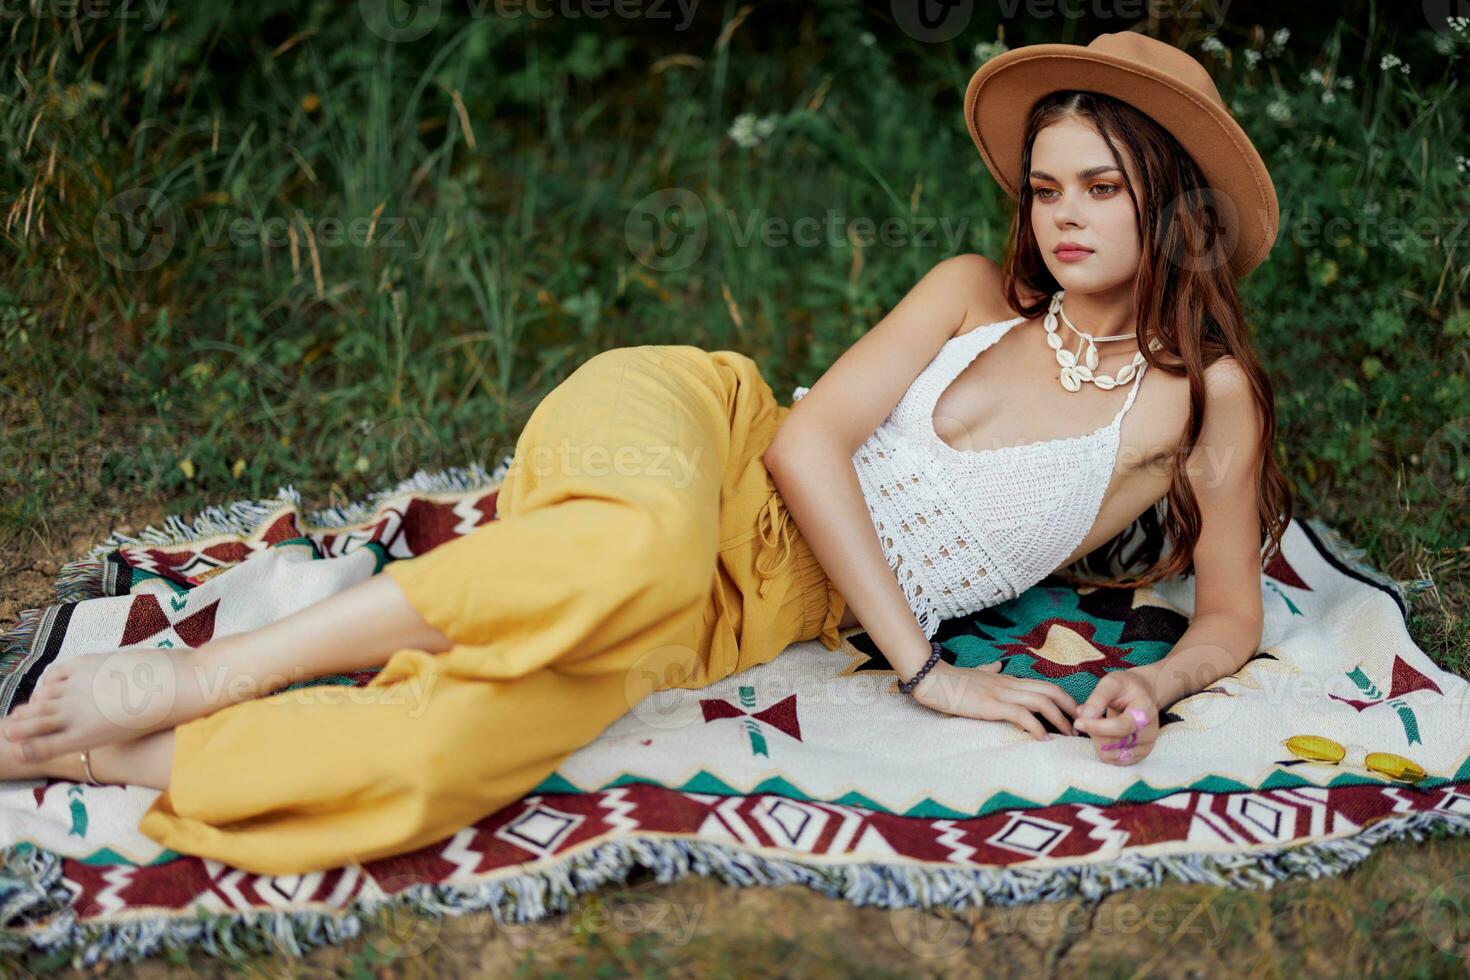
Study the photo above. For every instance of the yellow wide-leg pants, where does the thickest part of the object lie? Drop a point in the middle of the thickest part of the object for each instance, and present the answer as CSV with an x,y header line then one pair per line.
x,y
640,546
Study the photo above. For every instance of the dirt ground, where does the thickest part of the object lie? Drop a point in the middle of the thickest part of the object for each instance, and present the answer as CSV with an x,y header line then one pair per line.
x,y
1405,911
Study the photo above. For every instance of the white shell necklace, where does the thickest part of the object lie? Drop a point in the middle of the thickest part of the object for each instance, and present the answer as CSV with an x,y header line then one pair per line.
x,y
1073,372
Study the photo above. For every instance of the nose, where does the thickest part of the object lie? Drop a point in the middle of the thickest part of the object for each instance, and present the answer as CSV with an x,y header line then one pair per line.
x,y
1067,213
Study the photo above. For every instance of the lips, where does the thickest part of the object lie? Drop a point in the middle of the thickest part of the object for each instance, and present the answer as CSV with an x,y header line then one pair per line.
x,y
1071,251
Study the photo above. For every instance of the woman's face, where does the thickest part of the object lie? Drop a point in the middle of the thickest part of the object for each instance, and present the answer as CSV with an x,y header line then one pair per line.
x,y
1078,198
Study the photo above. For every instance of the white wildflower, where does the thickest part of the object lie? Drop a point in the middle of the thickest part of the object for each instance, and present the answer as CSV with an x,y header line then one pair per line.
x,y
1391,61
1314,76
1252,57
1462,164
1213,45
1460,33
867,39
1279,110
744,130
986,50
1277,44
1345,83
1329,97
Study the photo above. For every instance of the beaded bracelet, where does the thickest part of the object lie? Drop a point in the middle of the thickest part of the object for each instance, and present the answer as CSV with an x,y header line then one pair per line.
x,y
907,687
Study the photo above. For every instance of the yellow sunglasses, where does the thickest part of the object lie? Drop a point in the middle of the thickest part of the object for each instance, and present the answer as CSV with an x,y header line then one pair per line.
x,y
1316,748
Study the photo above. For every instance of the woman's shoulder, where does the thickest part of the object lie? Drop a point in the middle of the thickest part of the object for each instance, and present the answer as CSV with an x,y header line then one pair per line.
x,y
1226,377
984,285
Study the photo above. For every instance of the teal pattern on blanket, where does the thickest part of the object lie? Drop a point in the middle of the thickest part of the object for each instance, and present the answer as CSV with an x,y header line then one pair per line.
x,y
1056,634
830,726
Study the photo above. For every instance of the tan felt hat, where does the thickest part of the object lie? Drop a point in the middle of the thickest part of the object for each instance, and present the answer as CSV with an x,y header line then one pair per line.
x,y
1160,81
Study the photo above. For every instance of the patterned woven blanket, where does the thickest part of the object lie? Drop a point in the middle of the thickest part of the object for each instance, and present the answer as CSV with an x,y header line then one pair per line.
x,y
810,768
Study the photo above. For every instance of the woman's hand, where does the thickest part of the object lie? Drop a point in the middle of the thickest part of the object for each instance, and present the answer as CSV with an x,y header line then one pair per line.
x,y
987,694
1108,718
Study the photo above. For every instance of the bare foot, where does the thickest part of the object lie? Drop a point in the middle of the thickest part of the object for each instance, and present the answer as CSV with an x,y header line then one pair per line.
x,y
103,698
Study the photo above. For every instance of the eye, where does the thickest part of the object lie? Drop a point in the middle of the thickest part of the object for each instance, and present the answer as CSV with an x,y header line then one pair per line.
x,y
1108,189
1042,192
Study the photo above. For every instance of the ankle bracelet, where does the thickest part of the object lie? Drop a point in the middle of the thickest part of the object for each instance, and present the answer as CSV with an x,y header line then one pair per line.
x,y
86,755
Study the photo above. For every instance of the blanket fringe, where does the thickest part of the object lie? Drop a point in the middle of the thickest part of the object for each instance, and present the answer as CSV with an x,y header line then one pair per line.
x,y
35,911
83,578
15,641
1357,558
34,908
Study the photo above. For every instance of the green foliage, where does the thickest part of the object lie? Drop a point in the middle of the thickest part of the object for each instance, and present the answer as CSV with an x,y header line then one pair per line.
x,y
346,258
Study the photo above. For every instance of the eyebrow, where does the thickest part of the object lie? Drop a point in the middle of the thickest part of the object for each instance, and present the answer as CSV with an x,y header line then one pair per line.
x,y
1081,174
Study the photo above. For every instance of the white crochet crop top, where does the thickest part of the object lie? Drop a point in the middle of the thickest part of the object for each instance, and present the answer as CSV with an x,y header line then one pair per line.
x,y
967,529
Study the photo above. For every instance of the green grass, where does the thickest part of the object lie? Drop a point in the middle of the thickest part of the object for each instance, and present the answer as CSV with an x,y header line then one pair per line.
x,y
485,176
482,179
497,163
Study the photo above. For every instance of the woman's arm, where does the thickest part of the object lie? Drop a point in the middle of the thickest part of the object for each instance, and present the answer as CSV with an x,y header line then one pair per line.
x,y
1225,629
810,461
810,458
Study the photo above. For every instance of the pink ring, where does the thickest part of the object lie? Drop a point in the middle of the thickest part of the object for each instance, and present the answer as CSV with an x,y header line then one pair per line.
x,y
1126,755
1140,718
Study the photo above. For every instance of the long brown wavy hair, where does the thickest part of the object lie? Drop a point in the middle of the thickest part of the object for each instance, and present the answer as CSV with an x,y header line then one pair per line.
x,y
1185,295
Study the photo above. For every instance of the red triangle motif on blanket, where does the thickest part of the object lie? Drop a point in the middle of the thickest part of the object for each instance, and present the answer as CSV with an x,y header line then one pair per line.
x,y
780,716
1406,679
146,618
1279,569
716,708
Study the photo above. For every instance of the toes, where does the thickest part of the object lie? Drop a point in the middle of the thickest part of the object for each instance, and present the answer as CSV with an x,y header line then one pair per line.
x,y
26,712
11,719
30,727
47,690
